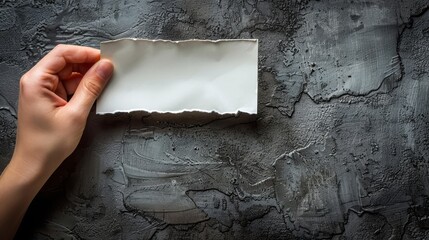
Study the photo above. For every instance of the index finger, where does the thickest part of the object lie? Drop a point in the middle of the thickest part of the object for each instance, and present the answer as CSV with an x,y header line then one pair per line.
x,y
62,55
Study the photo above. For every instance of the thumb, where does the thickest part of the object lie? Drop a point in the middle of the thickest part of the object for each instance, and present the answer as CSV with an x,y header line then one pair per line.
x,y
91,86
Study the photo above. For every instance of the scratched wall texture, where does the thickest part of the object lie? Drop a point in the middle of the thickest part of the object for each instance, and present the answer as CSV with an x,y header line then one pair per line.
x,y
339,148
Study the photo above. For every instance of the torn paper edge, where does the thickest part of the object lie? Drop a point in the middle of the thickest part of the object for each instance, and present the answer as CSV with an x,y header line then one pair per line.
x,y
186,110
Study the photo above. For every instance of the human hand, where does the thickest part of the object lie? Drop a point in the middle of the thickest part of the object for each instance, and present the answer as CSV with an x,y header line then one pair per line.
x,y
49,125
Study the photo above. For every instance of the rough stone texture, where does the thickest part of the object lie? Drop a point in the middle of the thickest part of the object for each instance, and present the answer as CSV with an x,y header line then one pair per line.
x,y
339,148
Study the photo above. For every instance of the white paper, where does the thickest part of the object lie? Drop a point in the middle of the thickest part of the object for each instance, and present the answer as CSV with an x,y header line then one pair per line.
x,y
176,76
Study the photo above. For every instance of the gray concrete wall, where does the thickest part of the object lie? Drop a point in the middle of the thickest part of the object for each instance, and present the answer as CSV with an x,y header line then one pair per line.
x,y
339,149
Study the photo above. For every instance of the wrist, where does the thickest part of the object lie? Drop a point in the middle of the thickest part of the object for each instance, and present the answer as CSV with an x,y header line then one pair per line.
x,y
28,171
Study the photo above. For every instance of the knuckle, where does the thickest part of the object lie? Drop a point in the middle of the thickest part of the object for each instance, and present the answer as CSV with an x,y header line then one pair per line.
x,y
25,80
60,47
92,87
76,116
34,79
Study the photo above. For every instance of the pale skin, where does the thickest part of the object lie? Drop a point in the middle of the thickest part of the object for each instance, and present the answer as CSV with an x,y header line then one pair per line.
x,y
50,125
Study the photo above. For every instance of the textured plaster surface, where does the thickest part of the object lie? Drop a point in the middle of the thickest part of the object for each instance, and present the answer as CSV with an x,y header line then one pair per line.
x,y
339,148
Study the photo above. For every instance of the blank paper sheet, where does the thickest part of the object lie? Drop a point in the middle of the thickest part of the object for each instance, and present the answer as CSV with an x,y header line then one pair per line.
x,y
177,76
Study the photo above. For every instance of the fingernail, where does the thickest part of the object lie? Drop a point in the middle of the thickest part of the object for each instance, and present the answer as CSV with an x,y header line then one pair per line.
x,y
104,69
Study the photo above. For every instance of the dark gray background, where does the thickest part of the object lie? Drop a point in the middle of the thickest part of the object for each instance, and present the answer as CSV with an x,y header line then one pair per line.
x,y
339,148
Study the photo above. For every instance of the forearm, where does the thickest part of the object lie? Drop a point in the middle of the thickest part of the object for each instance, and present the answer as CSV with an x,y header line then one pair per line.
x,y
19,184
